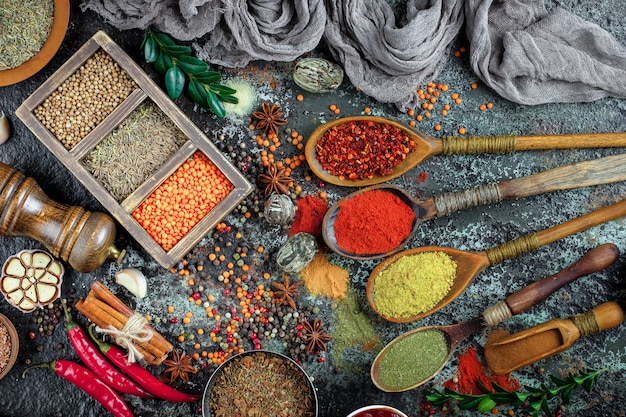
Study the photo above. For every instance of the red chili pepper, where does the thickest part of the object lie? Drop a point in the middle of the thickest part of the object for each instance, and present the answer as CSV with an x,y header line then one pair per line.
x,y
141,375
99,365
86,380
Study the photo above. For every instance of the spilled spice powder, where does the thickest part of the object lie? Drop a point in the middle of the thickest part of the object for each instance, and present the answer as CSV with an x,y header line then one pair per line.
x,y
323,278
309,216
471,370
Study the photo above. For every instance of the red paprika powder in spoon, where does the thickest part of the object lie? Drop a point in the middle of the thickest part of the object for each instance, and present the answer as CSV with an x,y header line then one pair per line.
x,y
373,222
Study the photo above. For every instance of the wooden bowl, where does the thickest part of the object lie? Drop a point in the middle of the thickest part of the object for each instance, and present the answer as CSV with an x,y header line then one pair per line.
x,y
47,51
15,344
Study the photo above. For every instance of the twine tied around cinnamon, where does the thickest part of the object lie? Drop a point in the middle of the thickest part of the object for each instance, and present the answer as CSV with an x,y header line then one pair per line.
x,y
135,330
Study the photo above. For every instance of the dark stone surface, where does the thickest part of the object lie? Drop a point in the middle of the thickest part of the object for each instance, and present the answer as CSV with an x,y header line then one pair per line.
x,y
342,389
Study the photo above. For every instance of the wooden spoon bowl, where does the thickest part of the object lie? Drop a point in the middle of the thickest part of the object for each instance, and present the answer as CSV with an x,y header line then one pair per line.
x,y
428,146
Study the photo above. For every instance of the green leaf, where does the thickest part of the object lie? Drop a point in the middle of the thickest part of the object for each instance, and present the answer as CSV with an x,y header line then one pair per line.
x,y
191,65
228,99
208,77
215,104
162,38
197,92
558,381
150,50
162,63
222,89
470,402
566,394
176,50
486,404
174,82
546,408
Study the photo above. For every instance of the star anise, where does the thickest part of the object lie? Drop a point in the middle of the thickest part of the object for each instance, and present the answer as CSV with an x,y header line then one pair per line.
x,y
276,180
179,366
315,336
285,292
269,118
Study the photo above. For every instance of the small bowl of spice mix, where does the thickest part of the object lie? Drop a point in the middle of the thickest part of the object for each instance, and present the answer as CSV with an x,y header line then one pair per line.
x,y
31,33
260,383
9,345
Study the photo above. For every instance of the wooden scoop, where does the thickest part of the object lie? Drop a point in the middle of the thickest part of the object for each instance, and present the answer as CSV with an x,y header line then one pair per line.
x,y
544,340
470,264
583,174
428,146
594,260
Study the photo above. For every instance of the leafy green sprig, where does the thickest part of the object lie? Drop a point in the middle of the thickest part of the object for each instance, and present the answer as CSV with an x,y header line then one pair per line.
x,y
534,400
178,65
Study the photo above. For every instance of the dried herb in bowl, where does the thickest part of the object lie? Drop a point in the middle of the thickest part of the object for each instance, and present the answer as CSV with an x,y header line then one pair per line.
x,y
260,383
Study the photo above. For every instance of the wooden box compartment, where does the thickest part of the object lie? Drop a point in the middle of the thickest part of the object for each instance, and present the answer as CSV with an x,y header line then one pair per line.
x,y
75,155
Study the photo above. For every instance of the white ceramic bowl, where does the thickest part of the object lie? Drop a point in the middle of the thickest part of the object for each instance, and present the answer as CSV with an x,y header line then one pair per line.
x,y
385,411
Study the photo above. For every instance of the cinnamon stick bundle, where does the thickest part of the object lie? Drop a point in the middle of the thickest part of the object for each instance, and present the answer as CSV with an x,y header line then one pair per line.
x,y
104,309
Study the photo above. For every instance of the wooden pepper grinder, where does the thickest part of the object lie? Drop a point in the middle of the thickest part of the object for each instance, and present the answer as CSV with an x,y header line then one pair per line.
x,y
82,238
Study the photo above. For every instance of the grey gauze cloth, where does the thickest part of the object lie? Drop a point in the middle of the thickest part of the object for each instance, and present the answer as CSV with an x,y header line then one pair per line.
x,y
531,57
389,57
525,54
233,32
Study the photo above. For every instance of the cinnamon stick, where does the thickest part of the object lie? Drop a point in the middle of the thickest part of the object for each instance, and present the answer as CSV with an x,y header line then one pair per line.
x,y
104,294
100,319
118,321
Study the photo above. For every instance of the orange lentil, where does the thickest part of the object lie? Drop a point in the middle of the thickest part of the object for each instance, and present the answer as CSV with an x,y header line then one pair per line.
x,y
158,213
186,320
489,105
411,112
444,112
323,194
300,97
482,107
367,110
412,123
462,130
170,309
433,100
260,249
195,356
200,331
458,101
444,88
266,275
427,114
221,258
454,96
332,107
337,111
419,117
457,53
462,49
197,346
437,127
474,86
199,267
181,338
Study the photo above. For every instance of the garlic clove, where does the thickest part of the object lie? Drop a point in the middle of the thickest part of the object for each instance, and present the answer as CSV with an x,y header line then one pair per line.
x,y
5,129
133,280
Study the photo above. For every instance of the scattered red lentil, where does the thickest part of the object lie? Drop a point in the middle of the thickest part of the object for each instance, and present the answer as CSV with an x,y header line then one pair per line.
x,y
183,199
300,97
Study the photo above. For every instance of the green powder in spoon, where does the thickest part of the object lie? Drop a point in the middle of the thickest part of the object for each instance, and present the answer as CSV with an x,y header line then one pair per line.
x,y
413,359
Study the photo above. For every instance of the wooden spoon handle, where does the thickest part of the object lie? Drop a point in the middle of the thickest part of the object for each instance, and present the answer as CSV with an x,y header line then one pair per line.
x,y
605,316
583,174
525,244
571,141
594,260
510,143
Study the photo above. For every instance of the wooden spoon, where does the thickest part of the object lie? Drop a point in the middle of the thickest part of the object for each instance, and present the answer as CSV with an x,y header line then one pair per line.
x,y
547,339
594,260
470,264
598,171
428,146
